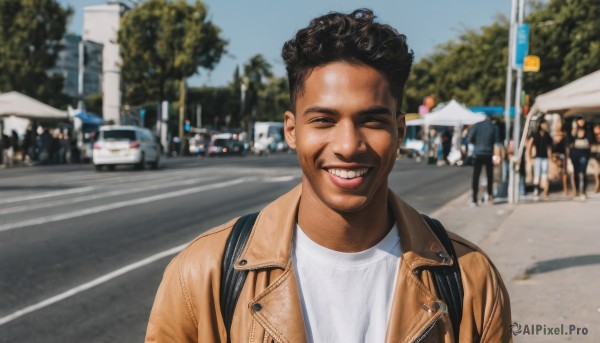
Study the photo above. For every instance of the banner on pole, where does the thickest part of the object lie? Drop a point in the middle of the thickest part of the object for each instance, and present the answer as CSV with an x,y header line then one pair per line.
x,y
521,45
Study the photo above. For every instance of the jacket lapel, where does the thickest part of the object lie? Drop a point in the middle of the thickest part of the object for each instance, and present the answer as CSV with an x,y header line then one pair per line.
x,y
415,308
278,309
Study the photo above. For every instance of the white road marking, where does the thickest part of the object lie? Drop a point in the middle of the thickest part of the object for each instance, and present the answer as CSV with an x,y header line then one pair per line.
x,y
107,207
102,279
284,178
121,191
46,195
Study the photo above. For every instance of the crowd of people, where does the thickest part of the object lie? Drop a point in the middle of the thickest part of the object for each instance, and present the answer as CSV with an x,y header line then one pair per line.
x,y
567,152
50,147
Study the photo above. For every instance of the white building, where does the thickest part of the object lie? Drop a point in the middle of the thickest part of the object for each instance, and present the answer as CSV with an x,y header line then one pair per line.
x,y
101,25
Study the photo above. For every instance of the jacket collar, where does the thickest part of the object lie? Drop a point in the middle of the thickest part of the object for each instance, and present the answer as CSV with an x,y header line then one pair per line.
x,y
269,245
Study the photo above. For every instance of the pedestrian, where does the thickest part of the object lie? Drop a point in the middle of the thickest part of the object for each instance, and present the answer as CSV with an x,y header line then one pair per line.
x,y
446,138
45,146
596,157
539,146
559,154
579,151
15,144
340,258
25,146
7,149
485,135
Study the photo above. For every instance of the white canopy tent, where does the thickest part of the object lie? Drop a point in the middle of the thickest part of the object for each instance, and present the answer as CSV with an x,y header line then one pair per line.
x,y
23,106
581,95
453,114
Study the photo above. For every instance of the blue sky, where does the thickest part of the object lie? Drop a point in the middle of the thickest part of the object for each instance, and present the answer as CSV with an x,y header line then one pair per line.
x,y
262,26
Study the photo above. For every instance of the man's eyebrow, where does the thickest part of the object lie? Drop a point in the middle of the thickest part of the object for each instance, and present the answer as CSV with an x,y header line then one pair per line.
x,y
320,109
369,111
375,110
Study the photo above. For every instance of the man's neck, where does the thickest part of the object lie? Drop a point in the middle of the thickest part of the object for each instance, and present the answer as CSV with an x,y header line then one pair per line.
x,y
345,232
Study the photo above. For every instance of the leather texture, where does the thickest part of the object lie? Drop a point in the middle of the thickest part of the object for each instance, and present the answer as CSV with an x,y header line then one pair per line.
x,y
187,307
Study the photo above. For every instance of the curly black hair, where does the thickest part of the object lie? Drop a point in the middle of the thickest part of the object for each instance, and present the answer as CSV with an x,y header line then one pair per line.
x,y
353,37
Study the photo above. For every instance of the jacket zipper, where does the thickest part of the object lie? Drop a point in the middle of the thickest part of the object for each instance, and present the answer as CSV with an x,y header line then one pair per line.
x,y
428,330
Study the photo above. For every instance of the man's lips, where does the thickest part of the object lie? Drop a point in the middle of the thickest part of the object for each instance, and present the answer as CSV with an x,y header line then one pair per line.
x,y
347,178
347,173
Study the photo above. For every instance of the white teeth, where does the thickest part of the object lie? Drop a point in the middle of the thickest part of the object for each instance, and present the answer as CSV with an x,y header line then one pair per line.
x,y
348,173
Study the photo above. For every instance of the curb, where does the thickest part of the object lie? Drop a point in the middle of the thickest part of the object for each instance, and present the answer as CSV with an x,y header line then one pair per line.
x,y
454,203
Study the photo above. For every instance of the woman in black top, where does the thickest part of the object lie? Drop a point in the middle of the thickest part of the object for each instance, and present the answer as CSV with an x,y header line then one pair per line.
x,y
579,151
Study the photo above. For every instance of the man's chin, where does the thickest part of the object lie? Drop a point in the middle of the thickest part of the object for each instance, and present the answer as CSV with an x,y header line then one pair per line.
x,y
347,203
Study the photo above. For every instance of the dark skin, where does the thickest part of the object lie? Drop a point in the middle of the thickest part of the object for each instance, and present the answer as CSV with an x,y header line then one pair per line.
x,y
346,132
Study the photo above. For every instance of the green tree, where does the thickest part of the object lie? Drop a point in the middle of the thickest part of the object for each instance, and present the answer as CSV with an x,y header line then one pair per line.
x,y
566,37
30,40
472,68
167,41
256,70
275,100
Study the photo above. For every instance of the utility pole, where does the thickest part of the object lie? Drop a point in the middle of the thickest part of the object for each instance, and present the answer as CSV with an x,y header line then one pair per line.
x,y
182,95
199,115
506,185
80,102
521,38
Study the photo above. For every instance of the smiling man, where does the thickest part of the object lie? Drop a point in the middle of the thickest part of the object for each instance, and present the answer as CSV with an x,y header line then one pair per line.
x,y
340,258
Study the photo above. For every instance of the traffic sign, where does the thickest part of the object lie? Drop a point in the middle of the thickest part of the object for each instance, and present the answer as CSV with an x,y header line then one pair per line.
x,y
531,63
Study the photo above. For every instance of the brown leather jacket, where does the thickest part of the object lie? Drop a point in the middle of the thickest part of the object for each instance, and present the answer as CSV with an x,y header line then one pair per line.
x,y
186,308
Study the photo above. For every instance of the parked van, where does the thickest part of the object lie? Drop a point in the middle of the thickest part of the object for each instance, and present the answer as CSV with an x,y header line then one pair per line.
x,y
125,145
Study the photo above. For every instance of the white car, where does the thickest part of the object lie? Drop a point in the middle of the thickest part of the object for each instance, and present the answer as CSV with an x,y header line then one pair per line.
x,y
125,145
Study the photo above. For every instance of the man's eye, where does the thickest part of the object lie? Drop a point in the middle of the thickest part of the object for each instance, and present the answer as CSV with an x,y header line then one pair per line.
x,y
321,120
378,121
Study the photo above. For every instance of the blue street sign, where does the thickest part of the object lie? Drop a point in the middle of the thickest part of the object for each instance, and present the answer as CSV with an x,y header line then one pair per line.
x,y
142,112
521,45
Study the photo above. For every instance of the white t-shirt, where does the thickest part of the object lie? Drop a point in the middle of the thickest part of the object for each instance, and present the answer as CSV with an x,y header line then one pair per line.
x,y
346,297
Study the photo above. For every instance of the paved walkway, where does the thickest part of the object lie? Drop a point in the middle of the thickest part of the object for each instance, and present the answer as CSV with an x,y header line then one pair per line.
x,y
548,254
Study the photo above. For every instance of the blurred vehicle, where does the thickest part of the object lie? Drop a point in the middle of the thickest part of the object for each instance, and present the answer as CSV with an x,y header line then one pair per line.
x,y
227,144
199,142
269,135
125,145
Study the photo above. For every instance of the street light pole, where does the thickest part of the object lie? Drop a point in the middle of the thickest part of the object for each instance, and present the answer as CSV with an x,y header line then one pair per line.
x,y
517,125
80,79
506,165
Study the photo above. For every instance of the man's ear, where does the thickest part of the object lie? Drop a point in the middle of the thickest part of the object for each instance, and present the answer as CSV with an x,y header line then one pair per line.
x,y
289,127
401,120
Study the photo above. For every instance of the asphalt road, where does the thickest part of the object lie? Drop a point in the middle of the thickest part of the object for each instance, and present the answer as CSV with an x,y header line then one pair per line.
x,y
82,252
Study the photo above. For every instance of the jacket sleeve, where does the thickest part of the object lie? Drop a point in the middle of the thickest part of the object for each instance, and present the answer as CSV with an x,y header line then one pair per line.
x,y
172,318
497,324
486,312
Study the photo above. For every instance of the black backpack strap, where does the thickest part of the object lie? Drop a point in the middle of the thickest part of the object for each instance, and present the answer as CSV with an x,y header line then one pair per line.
x,y
232,280
447,280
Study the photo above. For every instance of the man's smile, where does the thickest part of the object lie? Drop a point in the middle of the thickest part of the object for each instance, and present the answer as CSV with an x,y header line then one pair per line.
x,y
347,173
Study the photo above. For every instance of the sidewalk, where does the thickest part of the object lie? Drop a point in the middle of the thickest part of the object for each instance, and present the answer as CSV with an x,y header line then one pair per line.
x,y
548,254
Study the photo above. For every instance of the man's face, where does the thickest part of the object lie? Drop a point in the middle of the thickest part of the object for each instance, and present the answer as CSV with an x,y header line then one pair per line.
x,y
346,133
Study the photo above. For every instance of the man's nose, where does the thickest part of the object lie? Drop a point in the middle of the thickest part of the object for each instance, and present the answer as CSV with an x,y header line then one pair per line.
x,y
347,141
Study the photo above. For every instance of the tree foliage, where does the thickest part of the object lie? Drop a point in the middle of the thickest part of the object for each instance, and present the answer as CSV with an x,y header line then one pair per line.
x,y
162,42
30,40
256,70
472,68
